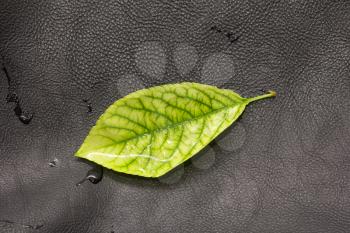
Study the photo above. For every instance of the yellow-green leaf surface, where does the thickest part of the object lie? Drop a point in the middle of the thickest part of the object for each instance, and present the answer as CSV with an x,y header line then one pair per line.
x,y
151,131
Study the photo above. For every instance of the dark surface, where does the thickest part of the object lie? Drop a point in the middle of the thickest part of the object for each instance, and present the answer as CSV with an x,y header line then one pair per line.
x,y
68,60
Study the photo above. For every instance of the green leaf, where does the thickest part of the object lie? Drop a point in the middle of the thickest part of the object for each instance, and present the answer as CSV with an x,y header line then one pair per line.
x,y
151,131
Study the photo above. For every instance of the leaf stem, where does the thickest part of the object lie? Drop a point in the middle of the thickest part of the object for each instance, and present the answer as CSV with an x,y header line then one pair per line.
x,y
267,95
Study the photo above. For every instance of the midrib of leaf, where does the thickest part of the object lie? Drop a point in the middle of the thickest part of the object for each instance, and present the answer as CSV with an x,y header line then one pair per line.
x,y
151,132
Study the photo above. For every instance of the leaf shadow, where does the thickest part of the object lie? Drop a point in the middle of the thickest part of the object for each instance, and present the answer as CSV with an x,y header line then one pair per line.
x,y
143,181
133,179
118,176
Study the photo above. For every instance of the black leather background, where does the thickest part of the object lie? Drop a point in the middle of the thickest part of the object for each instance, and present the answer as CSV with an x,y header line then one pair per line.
x,y
292,171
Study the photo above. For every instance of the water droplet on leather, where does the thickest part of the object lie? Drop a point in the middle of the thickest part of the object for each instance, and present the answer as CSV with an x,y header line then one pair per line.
x,y
53,163
13,98
233,138
22,116
150,58
25,119
88,105
173,176
218,69
94,175
185,58
36,227
204,159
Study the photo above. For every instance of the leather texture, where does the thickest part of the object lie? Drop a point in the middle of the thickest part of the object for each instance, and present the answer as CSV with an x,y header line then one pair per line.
x,y
283,167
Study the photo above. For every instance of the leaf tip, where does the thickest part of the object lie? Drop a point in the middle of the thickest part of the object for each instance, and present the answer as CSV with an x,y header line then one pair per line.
x,y
78,154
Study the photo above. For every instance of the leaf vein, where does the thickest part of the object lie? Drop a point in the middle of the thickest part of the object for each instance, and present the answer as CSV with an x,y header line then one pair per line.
x,y
106,126
124,117
193,99
171,105
148,110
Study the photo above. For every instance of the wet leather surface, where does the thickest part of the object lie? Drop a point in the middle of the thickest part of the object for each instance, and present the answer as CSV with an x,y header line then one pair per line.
x,y
284,167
